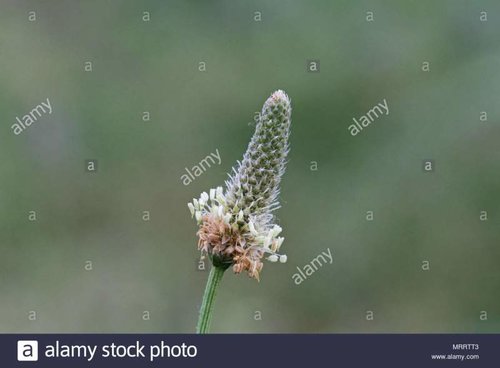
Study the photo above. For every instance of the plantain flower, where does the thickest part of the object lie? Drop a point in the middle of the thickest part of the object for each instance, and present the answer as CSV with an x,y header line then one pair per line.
x,y
236,224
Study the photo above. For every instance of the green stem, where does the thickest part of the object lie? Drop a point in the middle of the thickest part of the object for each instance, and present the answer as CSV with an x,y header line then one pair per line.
x,y
207,303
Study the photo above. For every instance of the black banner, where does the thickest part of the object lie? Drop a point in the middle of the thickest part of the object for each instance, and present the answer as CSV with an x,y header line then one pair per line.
x,y
249,350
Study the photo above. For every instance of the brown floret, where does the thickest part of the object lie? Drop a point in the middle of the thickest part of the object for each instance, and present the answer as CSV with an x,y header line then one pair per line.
x,y
229,245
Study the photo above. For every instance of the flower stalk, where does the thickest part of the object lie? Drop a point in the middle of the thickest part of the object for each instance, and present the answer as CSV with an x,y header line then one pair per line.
x,y
207,304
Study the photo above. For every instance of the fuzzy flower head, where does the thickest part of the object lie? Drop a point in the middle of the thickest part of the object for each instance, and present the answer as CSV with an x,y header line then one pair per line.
x,y
236,225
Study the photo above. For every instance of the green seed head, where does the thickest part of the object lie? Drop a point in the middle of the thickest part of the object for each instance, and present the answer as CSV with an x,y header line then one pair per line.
x,y
254,185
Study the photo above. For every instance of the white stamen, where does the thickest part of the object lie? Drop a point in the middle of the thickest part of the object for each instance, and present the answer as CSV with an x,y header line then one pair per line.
x,y
273,258
267,242
252,228
279,241
191,209
276,230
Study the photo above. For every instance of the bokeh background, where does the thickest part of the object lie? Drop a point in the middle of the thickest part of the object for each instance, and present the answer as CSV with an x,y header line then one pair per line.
x,y
153,66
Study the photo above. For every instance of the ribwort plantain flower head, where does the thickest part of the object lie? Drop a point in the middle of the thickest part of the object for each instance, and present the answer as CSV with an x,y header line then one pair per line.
x,y
236,224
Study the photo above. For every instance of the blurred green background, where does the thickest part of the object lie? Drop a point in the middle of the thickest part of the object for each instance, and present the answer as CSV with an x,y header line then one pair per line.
x,y
153,66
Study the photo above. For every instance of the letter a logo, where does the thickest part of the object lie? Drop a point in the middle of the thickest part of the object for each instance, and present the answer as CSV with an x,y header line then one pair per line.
x,y
27,350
